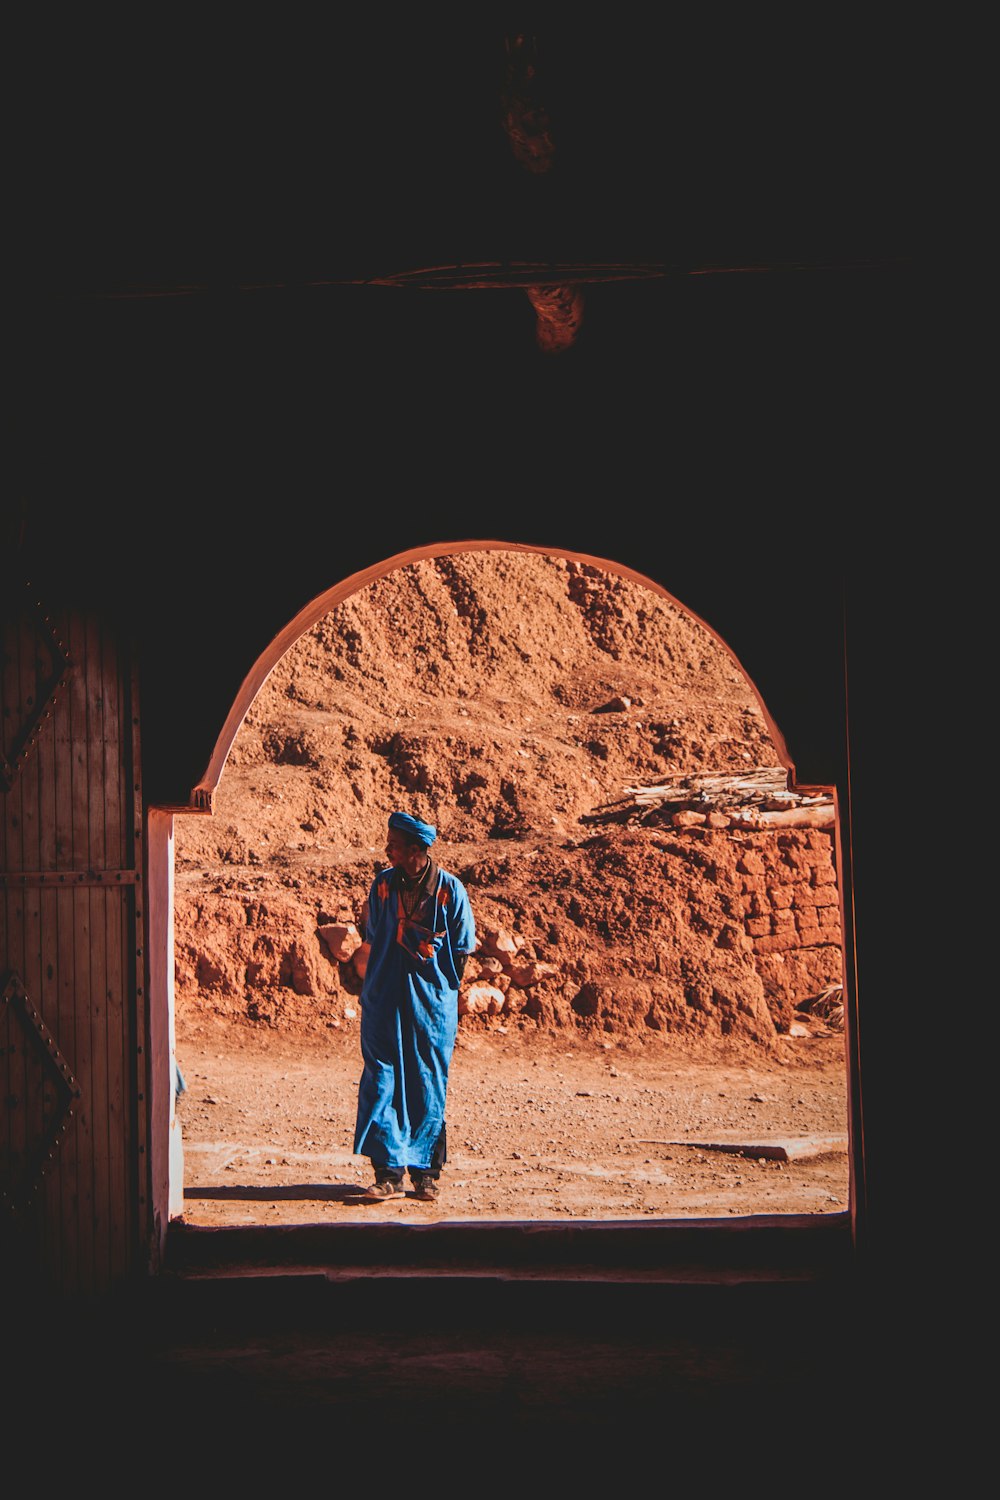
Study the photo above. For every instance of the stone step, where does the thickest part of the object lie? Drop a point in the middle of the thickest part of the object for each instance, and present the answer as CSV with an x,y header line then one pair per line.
x,y
806,1248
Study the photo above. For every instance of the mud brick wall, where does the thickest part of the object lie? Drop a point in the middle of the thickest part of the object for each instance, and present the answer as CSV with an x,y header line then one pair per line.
x,y
747,934
790,909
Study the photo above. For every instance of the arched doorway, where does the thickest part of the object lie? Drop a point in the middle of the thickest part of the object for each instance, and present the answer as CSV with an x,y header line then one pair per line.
x,y
204,795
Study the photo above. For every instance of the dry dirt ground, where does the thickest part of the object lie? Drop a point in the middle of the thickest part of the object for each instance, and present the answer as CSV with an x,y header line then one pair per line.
x,y
543,1129
641,1030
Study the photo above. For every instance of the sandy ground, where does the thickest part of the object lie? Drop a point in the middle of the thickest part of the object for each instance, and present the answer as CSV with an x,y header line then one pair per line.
x,y
540,1129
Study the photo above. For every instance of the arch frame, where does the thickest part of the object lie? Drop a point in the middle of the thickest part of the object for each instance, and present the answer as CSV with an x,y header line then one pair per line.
x,y
166,1149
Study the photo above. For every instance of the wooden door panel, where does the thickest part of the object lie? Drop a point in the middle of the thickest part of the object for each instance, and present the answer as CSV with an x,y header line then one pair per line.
x,y
72,1152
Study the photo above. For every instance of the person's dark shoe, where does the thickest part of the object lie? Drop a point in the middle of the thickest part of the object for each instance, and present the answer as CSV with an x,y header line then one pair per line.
x,y
379,1192
426,1188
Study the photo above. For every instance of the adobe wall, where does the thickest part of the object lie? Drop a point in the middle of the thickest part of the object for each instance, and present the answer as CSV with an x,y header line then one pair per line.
x,y
692,931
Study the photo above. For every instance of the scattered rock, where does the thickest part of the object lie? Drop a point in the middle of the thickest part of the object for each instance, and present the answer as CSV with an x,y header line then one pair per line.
x,y
341,939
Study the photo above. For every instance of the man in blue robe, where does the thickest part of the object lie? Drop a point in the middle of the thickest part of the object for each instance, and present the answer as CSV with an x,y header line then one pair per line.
x,y
420,929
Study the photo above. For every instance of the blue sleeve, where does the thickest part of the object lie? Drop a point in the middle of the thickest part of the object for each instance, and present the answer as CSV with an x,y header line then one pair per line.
x,y
461,921
371,912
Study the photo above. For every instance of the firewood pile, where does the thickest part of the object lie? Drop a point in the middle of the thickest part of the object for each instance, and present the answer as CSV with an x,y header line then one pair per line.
x,y
758,798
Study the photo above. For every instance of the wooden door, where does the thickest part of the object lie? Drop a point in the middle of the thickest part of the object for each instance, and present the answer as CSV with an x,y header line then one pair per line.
x,y
73,1158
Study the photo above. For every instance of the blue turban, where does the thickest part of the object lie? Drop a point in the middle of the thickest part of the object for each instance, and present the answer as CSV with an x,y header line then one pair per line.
x,y
425,832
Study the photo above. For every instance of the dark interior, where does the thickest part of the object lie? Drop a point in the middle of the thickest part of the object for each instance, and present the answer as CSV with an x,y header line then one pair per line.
x,y
217,417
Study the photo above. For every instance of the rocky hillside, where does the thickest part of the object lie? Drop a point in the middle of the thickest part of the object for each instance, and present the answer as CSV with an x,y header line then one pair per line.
x,y
601,777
